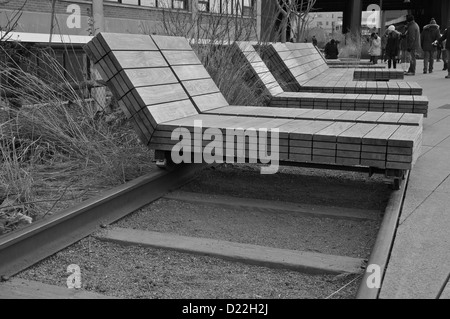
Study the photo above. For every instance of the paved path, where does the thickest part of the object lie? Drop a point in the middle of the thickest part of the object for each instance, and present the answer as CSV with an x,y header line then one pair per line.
x,y
420,262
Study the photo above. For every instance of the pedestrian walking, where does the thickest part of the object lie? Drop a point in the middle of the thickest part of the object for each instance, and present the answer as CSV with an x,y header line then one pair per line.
x,y
392,46
412,42
445,57
439,50
383,45
445,37
428,39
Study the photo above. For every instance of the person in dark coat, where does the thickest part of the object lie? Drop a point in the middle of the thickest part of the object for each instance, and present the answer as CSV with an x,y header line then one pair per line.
x,y
412,42
403,58
428,38
439,49
314,40
331,50
446,37
392,46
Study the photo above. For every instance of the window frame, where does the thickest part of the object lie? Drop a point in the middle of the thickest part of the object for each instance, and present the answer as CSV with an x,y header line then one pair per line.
x,y
236,5
185,4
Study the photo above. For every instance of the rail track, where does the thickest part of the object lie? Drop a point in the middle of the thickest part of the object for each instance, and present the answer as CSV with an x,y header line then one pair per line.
x,y
26,247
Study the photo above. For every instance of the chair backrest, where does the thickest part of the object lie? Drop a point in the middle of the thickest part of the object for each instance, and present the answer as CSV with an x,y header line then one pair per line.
x,y
314,63
277,57
159,76
190,72
260,72
298,61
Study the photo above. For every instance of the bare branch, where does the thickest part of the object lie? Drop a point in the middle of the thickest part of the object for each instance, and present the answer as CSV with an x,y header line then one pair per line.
x,y
12,22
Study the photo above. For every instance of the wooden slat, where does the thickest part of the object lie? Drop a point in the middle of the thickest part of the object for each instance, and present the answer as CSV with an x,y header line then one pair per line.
x,y
200,87
171,111
92,52
136,59
181,57
370,117
191,72
171,43
390,117
150,95
349,147
132,104
306,131
411,118
209,101
147,77
118,84
373,149
351,115
102,49
126,42
331,132
331,115
355,133
380,134
405,136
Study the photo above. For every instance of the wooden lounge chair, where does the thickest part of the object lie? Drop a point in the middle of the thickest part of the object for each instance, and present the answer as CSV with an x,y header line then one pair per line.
x,y
162,87
310,73
360,73
247,56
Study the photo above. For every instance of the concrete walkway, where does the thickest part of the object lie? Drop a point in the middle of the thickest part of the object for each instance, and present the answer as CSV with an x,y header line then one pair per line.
x,y
420,262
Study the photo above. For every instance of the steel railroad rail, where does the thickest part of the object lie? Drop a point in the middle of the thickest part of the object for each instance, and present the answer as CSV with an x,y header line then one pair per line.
x,y
23,248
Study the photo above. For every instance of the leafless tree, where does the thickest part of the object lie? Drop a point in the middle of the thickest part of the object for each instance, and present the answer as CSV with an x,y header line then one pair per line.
x,y
294,10
12,21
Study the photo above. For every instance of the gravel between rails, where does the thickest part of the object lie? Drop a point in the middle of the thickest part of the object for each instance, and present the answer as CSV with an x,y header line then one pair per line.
x,y
278,230
294,184
138,272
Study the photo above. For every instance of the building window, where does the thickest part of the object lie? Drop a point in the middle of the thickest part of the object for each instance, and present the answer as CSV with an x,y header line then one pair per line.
x,y
234,7
171,4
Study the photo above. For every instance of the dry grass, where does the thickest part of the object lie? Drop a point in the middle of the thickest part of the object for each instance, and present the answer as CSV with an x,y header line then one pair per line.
x,y
56,148
353,47
231,75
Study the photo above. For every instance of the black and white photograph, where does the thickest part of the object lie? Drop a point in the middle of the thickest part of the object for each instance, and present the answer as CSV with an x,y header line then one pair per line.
x,y
225,158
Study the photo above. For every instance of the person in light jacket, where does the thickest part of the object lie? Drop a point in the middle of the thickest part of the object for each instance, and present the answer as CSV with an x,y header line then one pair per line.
x,y
375,48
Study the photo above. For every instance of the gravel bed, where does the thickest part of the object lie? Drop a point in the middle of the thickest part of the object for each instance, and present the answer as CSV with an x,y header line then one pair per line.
x,y
280,230
292,184
141,272
138,272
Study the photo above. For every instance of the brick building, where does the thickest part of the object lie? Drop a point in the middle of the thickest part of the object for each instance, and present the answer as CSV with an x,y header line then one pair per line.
x,y
183,17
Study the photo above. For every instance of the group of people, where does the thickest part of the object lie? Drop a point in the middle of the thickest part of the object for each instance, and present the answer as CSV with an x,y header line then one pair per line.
x,y
396,44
